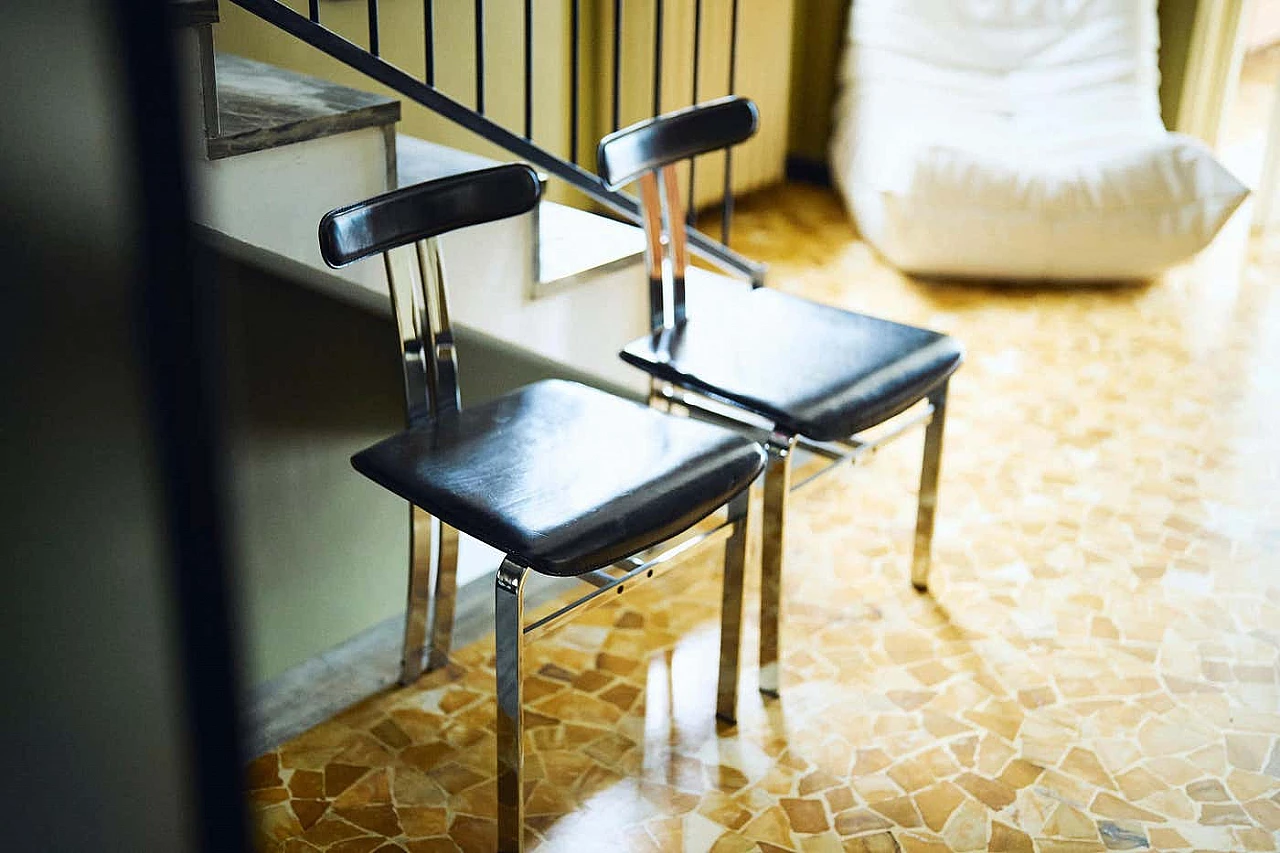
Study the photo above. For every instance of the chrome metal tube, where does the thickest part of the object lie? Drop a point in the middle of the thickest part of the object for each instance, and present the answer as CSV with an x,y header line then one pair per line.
x,y
777,488
922,555
509,639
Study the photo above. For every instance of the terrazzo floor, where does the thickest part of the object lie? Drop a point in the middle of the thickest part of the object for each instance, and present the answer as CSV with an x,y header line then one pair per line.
x,y
1095,668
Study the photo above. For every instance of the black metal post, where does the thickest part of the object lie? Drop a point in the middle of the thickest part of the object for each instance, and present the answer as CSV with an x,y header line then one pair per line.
x,y
617,62
314,8
574,71
429,39
373,27
657,57
689,214
528,69
726,208
480,56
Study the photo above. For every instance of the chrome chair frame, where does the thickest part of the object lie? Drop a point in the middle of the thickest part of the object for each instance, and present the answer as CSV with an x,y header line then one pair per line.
x,y
417,284
666,264
429,363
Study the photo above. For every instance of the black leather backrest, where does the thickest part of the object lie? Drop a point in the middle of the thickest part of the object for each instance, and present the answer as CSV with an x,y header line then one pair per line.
x,y
424,210
626,154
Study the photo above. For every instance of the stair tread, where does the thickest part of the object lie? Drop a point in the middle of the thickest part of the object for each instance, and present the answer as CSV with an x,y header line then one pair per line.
x,y
263,106
419,160
572,242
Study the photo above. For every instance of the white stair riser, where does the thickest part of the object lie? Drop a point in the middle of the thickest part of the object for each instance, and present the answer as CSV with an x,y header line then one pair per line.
x,y
274,199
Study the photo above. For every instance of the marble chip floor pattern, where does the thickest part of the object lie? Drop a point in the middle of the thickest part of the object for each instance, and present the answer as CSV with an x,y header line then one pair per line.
x,y
1095,667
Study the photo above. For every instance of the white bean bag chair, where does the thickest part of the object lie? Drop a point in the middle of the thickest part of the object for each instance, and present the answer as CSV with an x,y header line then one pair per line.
x,y
1019,139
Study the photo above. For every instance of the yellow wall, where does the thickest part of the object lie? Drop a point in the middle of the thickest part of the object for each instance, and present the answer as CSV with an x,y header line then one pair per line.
x,y
819,37
1176,20
763,70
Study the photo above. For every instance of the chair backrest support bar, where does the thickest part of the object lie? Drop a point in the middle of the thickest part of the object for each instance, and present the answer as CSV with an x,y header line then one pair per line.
x,y
648,153
403,226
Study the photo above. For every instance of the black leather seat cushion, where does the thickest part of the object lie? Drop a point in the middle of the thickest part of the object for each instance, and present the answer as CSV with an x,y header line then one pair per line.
x,y
812,369
562,477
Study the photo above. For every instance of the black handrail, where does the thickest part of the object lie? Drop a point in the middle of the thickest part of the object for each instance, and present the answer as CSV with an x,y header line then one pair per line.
x,y
345,51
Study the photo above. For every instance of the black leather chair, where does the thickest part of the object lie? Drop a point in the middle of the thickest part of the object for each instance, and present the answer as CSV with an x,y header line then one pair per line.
x,y
563,479
819,375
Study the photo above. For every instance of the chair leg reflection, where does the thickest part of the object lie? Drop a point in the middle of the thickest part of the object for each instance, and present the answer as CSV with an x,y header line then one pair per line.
x,y
445,598
735,561
419,596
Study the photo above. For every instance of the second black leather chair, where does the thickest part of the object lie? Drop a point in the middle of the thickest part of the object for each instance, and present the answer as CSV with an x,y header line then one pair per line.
x,y
563,479
819,375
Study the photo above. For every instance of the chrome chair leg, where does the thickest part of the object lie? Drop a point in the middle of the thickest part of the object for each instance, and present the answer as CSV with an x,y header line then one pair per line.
x,y
735,562
445,599
928,501
509,639
777,487
419,597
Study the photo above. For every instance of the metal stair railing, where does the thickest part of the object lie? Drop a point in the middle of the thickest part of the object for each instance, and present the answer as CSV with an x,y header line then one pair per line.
x,y
368,61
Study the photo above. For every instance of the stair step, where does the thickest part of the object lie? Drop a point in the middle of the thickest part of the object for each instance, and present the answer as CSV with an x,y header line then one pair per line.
x,y
418,160
262,106
573,245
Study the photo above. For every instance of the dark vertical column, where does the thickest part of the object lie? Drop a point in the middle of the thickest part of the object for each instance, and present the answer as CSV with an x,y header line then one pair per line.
x,y
373,27
314,8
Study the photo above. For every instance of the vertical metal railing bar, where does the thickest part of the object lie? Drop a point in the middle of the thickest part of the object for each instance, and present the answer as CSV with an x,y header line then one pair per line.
x,y
373,27
429,39
314,9
657,57
689,216
575,69
617,63
480,56
528,69
726,204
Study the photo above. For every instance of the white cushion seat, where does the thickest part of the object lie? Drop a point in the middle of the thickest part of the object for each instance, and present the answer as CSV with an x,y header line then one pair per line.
x,y
1020,139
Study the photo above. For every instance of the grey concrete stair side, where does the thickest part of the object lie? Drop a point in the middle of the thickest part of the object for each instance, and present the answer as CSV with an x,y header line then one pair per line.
x,y
262,106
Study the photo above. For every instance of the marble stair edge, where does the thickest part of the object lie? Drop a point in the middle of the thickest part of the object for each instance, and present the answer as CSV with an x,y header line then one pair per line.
x,y
261,106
